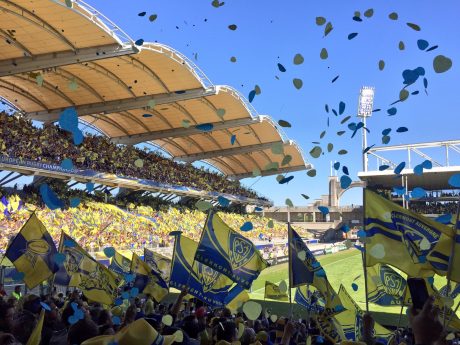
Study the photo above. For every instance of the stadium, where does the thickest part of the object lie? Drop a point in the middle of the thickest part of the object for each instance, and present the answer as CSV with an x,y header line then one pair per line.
x,y
125,210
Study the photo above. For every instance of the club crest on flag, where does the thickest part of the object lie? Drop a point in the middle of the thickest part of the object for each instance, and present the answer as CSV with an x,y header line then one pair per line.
x,y
393,283
413,233
208,277
242,250
97,280
73,257
35,248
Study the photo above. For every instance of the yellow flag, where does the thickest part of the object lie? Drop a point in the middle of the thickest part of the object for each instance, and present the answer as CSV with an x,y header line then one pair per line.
x,y
272,291
415,244
36,336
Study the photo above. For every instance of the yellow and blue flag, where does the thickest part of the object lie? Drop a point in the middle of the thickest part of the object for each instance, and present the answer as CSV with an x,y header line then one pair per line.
x,y
305,269
330,328
203,282
36,336
33,252
159,263
386,287
147,280
351,320
309,298
229,253
80,270
120,264
273,291
408,241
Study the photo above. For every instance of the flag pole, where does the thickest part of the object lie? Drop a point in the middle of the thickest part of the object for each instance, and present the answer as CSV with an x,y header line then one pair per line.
x,y
451,258
363,253
402,307
290,268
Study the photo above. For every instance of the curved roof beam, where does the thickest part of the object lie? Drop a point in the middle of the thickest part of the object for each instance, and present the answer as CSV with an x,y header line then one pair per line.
x,y
144,68
221,162
11,40
270,172
225,152
182,132
36,20
69,76
135,119
124,104
110,122
104,71
16,89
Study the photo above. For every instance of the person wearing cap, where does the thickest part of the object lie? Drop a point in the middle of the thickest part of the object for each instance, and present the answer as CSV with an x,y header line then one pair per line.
x,y
137,333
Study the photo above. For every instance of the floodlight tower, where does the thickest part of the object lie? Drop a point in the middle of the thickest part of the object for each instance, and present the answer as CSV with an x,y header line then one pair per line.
x,y
365,107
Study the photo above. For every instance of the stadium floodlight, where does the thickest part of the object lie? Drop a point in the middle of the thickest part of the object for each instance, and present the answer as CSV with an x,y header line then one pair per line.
x,y
365,107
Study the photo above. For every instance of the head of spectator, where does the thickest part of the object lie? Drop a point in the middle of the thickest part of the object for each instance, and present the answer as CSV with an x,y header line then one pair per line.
x,y
6,317
23,325
226,332
81,331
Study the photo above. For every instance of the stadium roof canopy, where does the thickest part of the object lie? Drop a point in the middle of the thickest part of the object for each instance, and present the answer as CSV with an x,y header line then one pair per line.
x,y
53,57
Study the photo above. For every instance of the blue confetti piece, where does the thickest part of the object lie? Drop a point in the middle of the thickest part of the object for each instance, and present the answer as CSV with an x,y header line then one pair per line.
x,y
418,193
285,179
259,209
77,137
427,164
68,120
319,339
416,92
422,259
116,320
233,139
281,68
352,35
180,92
444,219
386,139
74,202
18,276
59,258
345,228
399,190
224,202
386,131
205,127
125,295
400,168
45,306
142,14
432,48
357,19
430,280
67,164
147,115
341,108
425,83
411,76
134,292
352,126
361,233
383,167
454,181
251,96
70,243
334,112
422,44
79,314
316,264
354,286
345,170
129,277
339,308
418,170
50,198
118,301
90,186
247,226
345,181
74,306
392,111
323,209
72,320
109,252
402,129
336,165
139,42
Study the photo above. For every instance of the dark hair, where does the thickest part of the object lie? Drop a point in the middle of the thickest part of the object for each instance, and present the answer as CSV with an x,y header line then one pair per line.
x,y
23,325
226,331
190,326
104,317
81,331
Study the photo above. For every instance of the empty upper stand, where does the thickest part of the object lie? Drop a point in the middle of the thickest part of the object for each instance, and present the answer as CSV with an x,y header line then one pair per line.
x,y
54,57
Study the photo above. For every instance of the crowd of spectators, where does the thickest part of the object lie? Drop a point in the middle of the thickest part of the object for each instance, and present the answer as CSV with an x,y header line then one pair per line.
x,y
437,208
19,138
96,225
141,320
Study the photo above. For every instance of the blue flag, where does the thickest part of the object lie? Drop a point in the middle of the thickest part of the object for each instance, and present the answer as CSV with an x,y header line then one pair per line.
x,y
203,282
302,262
229,253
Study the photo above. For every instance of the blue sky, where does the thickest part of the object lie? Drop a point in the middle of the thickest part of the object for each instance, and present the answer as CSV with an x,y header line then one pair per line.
x,y
271,32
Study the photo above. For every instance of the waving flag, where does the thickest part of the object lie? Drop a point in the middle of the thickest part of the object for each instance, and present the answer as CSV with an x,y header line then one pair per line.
x,y
159,262
229,253
408,241
309,298
33,252
272,291
305,269
386,287
147,280
352,319
80,270
120,264
203,282
36,335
